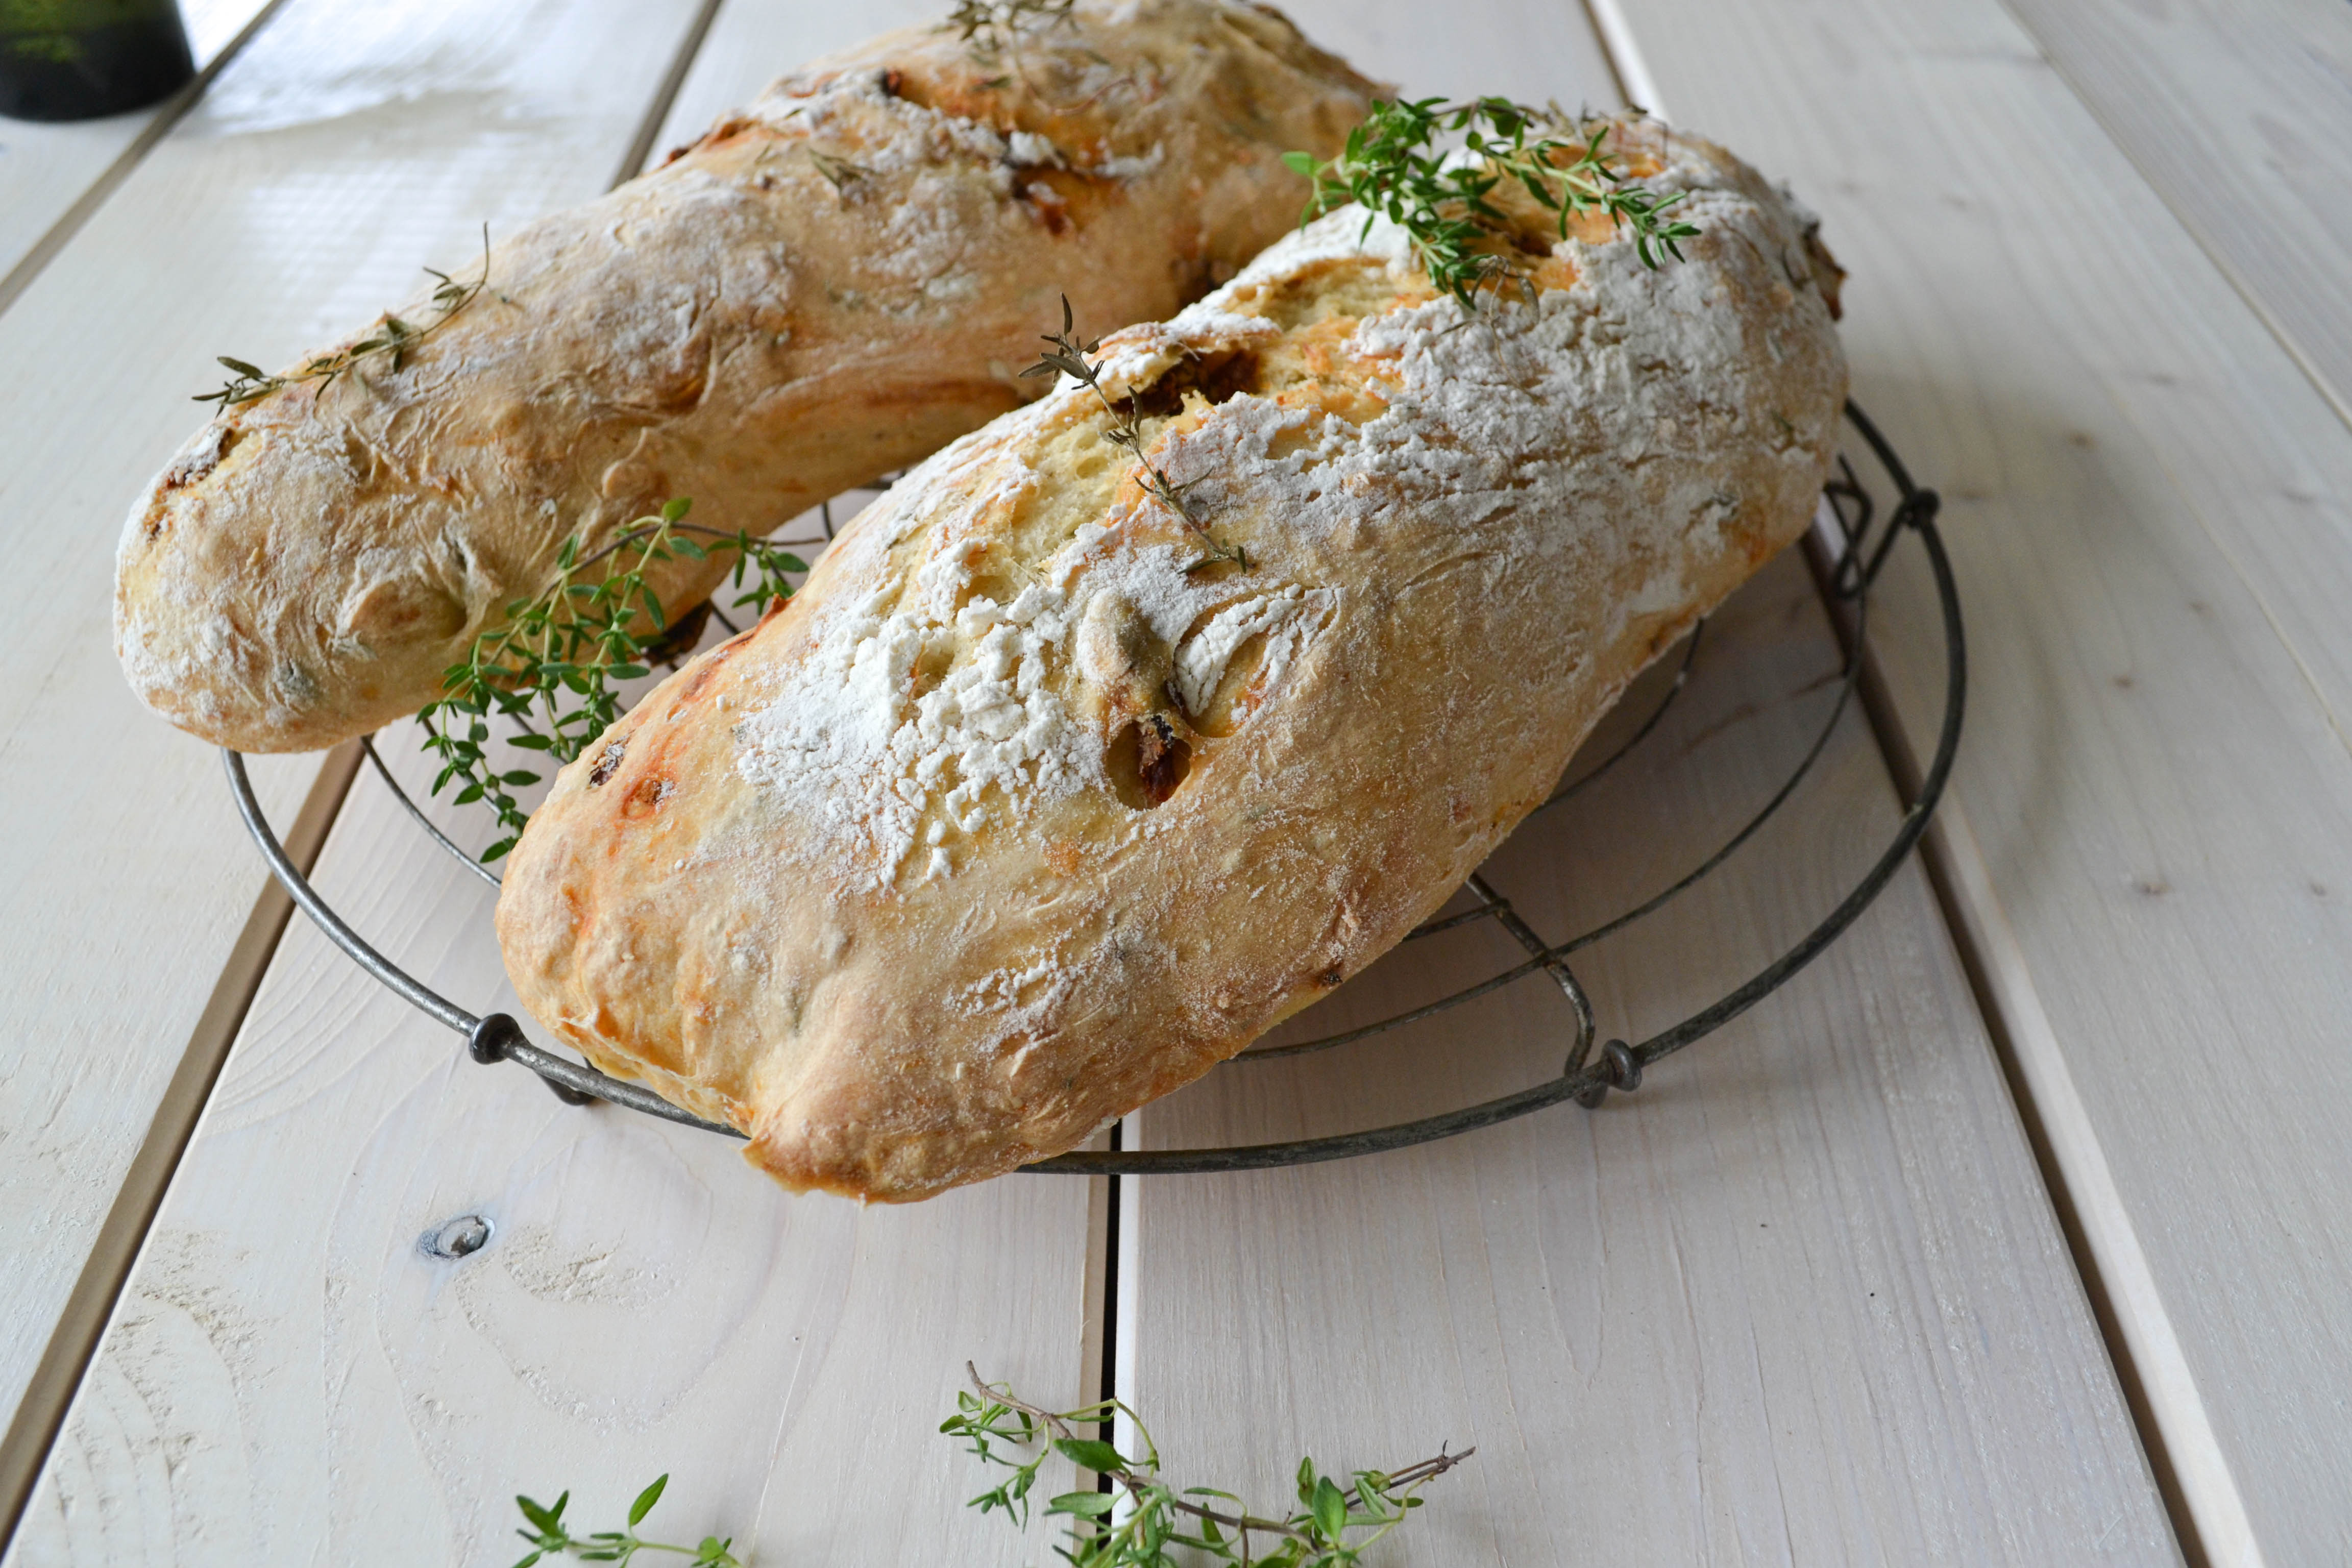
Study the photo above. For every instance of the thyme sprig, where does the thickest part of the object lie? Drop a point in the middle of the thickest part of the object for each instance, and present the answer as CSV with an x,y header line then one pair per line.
x,y
988,28
395,338
1068,357
1140,1519
1395,165
552,667
550,1536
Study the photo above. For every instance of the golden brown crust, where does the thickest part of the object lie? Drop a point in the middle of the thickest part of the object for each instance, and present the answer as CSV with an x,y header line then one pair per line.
x,y
829,285
1015,818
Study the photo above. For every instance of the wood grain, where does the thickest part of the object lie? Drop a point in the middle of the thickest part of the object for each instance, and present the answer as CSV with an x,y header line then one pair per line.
x,y
2241,118
2152,826
52,176
114,1246
1800,1297
345,146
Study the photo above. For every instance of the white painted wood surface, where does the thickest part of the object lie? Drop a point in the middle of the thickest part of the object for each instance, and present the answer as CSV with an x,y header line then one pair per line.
x,y
50,171
1800,1298
1535,50
348,144
2241,118
2151,826
752,42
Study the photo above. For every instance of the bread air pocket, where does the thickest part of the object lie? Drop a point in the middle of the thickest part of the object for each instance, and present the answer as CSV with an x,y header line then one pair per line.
x,y
1161,704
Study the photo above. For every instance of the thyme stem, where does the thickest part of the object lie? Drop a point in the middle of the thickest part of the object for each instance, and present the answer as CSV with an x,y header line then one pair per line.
x,y
1068,356
998,1425
395,338
550,1536
988,28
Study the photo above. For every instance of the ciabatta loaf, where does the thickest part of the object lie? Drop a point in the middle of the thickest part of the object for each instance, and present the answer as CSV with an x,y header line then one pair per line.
x,y
827,286
1021,815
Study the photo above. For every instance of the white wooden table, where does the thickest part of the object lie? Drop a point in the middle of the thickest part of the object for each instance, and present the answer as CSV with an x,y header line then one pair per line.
x,y
2015,1230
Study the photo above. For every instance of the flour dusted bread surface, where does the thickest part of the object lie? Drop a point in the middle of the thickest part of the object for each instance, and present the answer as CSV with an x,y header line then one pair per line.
x,y
828,286
1011,822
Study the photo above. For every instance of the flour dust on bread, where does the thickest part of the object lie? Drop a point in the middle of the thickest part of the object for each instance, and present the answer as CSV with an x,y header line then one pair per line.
x,y
1019,815
829,285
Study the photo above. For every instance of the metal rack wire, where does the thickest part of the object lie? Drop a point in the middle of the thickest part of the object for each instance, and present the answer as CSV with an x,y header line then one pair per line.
x,y
1587,1075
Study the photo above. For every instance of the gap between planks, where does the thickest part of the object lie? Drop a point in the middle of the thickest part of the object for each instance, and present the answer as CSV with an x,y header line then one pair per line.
x,y
641,145
2207,177
2203,1505
91,1307
66,1360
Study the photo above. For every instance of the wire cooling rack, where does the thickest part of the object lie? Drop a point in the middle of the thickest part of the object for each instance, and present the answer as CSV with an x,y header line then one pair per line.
x,y
1587,1075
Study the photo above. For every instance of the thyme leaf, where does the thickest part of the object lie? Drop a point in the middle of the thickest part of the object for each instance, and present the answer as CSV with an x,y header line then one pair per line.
x,y
1138,1517
395,337
550,1537
552,668
1395,165
1068,356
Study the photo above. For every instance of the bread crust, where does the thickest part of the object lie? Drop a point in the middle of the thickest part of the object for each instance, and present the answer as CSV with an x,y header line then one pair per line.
x,y
827,286
881,882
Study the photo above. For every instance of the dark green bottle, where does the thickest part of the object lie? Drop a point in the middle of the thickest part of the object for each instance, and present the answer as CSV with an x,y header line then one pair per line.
x,y
77,59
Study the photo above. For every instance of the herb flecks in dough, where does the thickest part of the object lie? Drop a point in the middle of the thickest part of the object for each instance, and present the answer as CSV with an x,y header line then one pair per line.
x,y
395,338
552,667
550,1537
1394,166
1136,1521
1068,357
839,173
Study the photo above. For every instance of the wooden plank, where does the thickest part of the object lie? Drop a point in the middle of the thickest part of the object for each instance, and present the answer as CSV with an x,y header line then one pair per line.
x,y
2150,833
53,176
645,1302
2241,118
1801,1298
347,145
114,1247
